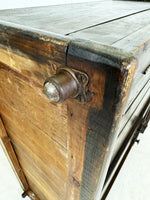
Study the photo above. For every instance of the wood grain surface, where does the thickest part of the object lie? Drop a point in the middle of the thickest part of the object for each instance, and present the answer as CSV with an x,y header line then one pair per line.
x,y
102,117
65,150
11,155
69,18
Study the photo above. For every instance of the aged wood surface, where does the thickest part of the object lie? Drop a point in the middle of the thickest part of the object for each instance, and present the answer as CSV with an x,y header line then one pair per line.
x,y
102,118
65,149
9,151
125,33
133,39
78,126
47,152
131,118
31,53
129,140
28,127
34,98
140,81
57,18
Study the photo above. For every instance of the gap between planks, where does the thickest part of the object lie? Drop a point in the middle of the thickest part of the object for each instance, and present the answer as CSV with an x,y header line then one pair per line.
x,y
115,19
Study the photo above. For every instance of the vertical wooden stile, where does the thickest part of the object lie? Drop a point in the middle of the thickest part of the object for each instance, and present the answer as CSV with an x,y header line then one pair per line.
x,y
10,153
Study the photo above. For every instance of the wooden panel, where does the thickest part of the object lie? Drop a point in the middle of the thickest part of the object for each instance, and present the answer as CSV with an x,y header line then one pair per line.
x,y
57,18
32,54
38,154
139,83
135,40
46,151
28,99
129,141
42,192
33,71
131,118
41,119
118,34
10,153
117,68
32,166
78,121
21,129
40,171
65,149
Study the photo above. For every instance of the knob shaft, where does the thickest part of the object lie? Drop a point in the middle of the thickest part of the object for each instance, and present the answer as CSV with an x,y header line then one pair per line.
x,y
61,86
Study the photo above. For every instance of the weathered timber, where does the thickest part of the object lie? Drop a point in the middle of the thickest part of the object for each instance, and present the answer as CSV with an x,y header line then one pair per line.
x,y
66,149
118,68
68,18
8,149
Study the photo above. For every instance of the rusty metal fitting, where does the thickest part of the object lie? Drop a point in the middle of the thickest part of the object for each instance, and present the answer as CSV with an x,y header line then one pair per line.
x,y
61,86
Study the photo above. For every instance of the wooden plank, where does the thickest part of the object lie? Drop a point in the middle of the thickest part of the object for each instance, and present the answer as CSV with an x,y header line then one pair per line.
x,y
78,121
33,54
40,172
140,81
72,129
77,126
21,129
130,118
83,132
125,148
37,45
42,192
118,33
103,116
32,71
10,153
133,41
35,155
128,111
28,99
57,18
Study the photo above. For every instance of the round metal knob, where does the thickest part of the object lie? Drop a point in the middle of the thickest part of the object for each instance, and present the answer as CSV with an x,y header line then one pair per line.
x,y
61,86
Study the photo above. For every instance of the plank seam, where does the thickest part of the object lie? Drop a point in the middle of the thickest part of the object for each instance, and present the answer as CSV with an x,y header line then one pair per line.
x,y
105,22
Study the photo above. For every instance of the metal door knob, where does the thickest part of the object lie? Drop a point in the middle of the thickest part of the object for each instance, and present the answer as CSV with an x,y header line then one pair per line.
x,y
61,86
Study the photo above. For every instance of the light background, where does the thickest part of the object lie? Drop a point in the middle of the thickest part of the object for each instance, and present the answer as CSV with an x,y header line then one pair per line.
x,y
6,4
133,182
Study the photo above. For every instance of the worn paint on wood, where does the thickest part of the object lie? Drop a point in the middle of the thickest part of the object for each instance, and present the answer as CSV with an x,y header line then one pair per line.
x,y
118,69
65,149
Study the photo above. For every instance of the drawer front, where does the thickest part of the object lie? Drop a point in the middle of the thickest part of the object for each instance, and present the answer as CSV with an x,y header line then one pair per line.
x,y
142,74
138,95
141,81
